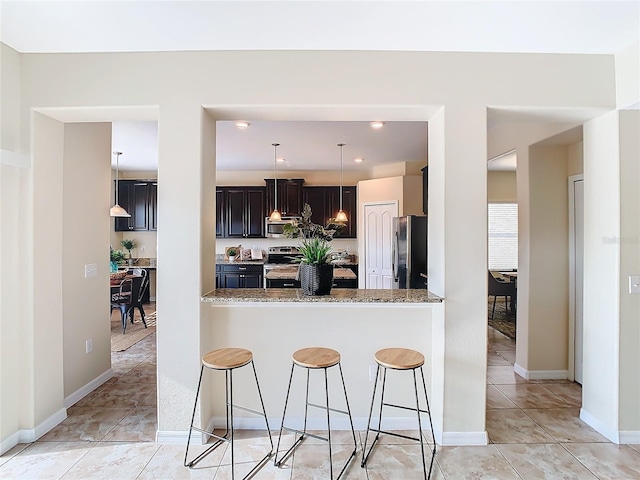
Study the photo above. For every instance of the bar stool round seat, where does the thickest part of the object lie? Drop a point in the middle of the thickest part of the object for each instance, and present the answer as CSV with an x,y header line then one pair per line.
x,y
399,358
227,358
407,360
316,357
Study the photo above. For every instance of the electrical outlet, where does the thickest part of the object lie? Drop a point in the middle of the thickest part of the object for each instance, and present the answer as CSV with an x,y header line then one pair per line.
x,y
142,247
89,346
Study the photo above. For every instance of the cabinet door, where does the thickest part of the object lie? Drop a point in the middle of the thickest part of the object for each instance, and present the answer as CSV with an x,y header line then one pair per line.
x,y
289,196
220,211
153,206
252,280
230,280
255,212
140,210
319,200
123,224
350,207
235,212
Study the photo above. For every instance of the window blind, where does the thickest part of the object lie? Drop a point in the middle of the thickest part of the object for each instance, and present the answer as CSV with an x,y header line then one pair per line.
x,y
503,236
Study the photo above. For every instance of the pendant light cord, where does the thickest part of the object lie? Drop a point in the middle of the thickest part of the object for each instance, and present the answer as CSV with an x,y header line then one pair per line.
x,y
341,145
275,175
117,154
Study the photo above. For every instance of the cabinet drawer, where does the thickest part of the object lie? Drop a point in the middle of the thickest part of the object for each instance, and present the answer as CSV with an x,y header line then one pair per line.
x,y
283,283
242,268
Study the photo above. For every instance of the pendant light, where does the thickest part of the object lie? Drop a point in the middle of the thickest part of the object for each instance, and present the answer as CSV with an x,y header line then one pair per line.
x,y
117,210
275,215
341,216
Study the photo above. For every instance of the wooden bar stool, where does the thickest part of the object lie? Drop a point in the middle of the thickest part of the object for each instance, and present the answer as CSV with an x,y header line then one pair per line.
x,y
227,359
399,359
314,358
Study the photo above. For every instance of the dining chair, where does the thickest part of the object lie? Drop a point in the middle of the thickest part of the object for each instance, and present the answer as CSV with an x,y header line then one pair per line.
x,y
498,288
121,299
137,298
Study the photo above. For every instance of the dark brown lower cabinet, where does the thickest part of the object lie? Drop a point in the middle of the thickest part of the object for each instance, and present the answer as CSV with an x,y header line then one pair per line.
x,y
240,276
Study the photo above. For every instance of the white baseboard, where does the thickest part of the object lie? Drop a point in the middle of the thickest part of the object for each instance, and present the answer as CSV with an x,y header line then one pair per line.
x,y
88,388
359,424
175,438
630,437
459,439
599,427
541,374
29,435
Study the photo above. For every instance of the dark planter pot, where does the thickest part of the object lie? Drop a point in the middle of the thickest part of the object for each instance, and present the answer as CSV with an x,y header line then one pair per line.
x,y
316,279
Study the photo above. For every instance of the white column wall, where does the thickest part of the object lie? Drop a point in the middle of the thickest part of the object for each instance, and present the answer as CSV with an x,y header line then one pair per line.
x,y
179,262
600,387
465,266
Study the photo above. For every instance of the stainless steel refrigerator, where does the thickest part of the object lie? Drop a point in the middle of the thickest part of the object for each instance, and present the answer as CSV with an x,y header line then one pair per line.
x,y
409,251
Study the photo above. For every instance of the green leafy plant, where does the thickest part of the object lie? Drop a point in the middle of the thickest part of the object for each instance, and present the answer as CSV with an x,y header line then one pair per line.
x,y
314,247
315,251
232,252
117,256
129,244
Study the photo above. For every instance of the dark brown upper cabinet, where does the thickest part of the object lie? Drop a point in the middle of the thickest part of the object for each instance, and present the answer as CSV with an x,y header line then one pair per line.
x,y
289,196
140,199
240,212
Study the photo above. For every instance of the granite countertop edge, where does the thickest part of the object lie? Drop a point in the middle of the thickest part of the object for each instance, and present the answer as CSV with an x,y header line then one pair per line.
x,y
337,295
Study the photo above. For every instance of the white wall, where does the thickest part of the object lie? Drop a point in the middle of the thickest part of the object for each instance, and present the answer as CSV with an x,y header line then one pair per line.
x,y
628,76
629,265
501,187
600,387
235,84
86,209
548,263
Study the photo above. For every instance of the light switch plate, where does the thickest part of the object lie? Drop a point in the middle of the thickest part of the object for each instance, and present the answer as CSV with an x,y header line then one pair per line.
x,y
90,270
634,284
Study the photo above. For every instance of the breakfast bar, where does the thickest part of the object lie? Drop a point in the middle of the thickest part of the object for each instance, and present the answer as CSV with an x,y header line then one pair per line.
x,y
274,323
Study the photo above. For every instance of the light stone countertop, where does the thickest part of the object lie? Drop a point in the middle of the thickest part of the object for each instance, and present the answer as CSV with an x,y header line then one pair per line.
x,y
337,295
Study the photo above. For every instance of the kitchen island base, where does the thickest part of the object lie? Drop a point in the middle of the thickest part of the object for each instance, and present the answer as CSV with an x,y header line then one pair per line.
x,y
273,331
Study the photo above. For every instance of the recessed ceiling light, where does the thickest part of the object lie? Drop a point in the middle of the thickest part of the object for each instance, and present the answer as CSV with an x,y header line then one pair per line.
x,y
358,160
242,125
377,125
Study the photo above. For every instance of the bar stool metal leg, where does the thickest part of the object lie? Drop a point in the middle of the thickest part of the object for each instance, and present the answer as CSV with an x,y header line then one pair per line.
x,y
303,434
385,355
228,436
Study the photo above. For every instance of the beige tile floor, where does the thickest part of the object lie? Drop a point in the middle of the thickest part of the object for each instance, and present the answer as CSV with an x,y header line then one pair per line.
x,y
533,427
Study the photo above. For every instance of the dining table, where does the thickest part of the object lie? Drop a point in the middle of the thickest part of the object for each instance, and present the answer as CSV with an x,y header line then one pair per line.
x,y
513,278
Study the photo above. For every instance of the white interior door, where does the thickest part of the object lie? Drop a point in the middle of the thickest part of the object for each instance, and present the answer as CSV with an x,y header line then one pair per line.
x,y
378,227
576,238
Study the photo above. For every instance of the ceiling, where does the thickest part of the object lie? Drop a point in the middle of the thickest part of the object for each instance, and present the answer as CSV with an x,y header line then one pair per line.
x,y
578,27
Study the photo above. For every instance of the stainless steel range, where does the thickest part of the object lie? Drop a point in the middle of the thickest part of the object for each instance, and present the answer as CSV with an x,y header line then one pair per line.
x,y
280,258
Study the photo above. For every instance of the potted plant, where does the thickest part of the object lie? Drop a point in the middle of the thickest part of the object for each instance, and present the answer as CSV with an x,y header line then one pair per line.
x,y
116,256
129,244
316,271
232,253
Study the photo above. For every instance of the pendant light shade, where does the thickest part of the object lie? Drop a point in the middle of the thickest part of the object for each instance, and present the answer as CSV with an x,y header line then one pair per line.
x,y
275,215
117,210
341,216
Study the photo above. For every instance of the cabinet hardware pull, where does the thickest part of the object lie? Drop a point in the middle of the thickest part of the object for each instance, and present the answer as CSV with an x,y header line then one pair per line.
x,y
242,268
288,284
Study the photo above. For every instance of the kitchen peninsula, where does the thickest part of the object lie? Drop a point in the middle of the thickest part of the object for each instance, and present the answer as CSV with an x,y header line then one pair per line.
x,y
273,323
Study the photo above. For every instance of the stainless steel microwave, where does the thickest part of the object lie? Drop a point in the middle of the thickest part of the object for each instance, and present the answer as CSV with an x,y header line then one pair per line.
x,y
275,228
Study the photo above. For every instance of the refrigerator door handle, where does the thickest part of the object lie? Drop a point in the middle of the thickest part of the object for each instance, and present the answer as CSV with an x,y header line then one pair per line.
x,y
394,256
